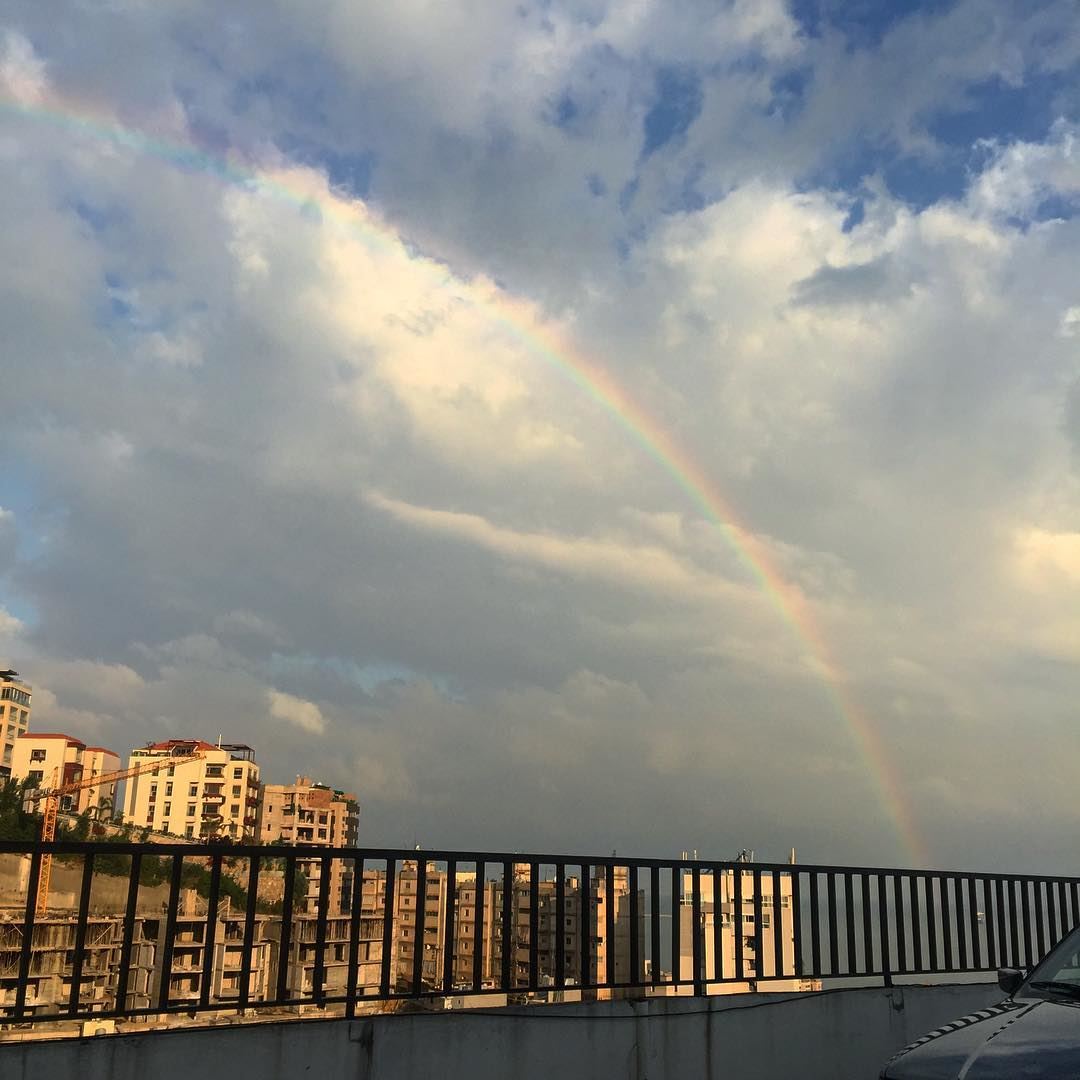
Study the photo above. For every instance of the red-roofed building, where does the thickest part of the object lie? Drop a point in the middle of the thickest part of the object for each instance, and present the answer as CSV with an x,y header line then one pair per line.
x,y
49,759
214,795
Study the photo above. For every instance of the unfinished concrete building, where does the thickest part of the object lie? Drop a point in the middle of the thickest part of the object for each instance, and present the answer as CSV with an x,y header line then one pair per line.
x,y
52,962
302,955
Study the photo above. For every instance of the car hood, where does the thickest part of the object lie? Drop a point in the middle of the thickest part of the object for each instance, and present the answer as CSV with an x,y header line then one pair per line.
x,y
1010,1041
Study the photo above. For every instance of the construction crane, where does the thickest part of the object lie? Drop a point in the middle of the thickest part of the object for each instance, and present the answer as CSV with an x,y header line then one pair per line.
x,y
179,755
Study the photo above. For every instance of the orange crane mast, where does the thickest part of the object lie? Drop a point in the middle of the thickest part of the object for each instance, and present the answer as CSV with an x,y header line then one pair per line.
x,y
53,795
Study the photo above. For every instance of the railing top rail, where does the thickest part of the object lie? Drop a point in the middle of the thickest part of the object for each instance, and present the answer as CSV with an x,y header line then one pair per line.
x,y
316,851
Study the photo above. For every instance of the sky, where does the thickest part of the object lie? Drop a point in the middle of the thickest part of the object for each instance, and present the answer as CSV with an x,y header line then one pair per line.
x,y
571,426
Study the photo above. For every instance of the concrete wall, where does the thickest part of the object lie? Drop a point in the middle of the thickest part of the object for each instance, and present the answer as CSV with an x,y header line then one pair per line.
x,y
840,1034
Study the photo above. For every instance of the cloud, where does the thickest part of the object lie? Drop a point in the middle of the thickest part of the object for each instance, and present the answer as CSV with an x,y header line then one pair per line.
x,y
1070,322
304,715
1049,558
639,567
297,328
1022,175
9,625
22,71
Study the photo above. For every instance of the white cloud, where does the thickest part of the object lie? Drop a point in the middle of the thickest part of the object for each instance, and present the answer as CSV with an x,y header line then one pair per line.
x,y
22,71
9,625
1070,322
635,566
1020,175
304,715
1048,559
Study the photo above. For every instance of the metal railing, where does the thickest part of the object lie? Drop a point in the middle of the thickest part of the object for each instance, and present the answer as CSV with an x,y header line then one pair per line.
x,y
200,928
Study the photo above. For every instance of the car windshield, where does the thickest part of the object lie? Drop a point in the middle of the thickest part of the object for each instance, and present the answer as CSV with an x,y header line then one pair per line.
x,y
1059,974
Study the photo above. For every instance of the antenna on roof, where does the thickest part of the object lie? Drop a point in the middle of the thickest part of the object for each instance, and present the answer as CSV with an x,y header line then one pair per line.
x,y
219,740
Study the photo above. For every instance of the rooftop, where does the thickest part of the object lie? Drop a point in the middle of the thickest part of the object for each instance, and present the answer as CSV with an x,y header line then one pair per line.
x,y
30,736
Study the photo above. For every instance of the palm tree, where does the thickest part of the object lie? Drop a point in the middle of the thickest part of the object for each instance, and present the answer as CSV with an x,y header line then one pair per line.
x,y
104,808
99,813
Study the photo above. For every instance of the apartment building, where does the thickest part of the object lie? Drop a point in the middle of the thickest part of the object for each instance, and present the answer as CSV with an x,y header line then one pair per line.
x,y
98,761
307,813
187,966
14,717
51,972
46,759
303,955
740,932
216,794
52,960
592,900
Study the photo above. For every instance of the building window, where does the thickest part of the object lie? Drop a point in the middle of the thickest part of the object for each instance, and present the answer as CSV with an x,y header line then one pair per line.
x,y
235,809
238,772
37,755
168,789
168,809
236,791
193,790
172,770
189,830
191,810
164,826
322,834
34,776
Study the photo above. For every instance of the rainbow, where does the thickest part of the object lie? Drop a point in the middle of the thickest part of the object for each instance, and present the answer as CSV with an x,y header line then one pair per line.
x,y
588,376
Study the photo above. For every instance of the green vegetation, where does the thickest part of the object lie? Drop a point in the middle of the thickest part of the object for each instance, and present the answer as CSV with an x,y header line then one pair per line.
x,y
15,823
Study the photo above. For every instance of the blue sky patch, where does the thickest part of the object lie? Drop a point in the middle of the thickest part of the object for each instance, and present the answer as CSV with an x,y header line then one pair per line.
x,y
678,102
565,112
995,109
863,22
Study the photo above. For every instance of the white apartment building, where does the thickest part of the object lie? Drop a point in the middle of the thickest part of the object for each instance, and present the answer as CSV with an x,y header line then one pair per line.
x,y
217,794
46,759
98,761
14,717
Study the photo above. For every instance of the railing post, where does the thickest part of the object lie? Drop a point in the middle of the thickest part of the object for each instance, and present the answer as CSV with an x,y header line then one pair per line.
x,y
696,935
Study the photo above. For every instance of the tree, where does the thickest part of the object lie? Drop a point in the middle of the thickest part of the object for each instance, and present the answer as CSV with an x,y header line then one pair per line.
x,y
15,822
103,809
81,829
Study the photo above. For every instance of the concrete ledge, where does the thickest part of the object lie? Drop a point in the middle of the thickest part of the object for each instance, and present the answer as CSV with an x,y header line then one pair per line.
x,y
835,1034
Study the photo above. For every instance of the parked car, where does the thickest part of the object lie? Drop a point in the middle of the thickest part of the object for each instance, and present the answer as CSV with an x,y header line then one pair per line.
x,y
1034,1034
